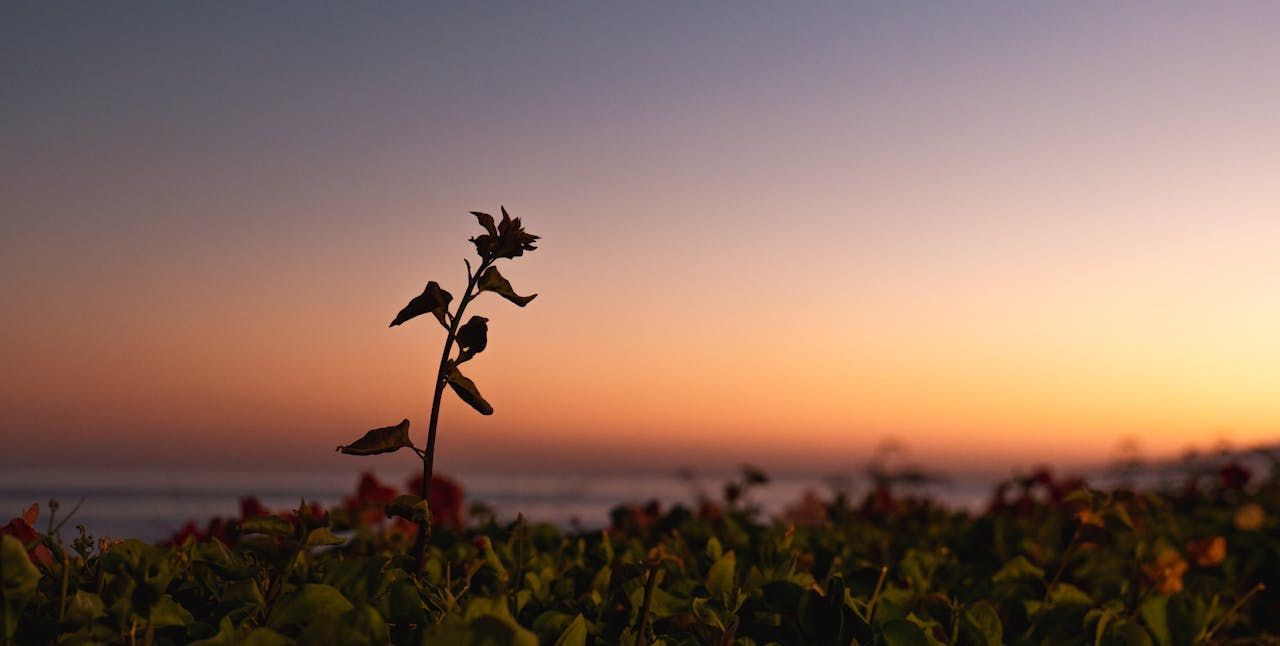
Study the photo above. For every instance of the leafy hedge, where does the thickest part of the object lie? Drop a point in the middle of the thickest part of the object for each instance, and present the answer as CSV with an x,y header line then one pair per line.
x,y
1049,563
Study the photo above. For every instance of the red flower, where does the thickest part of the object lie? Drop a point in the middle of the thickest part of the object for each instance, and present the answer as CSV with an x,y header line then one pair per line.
x,y
444,500
21,529
1234,476
251,507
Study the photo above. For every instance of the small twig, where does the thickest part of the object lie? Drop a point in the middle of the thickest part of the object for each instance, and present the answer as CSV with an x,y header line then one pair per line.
x,y
519,555
1232,611
642,635
66,576
875,594
1062,567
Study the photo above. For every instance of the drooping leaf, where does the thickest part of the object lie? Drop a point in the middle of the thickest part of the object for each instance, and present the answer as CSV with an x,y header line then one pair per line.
x,y
473,337
492,281
433,299
410,508
466,389
387,439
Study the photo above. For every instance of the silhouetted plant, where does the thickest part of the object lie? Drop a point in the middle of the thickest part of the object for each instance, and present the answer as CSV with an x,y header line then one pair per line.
x,y
501,240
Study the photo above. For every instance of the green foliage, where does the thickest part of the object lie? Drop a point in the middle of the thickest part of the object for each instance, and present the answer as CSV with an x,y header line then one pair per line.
x,y
916,576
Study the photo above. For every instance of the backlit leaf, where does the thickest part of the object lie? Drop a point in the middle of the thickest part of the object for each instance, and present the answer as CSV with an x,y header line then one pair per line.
x,y
492,281
720,576
486,221
466,389
380,440
473,337
432,300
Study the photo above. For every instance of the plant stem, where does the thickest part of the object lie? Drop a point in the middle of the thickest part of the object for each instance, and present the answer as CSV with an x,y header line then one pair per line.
x,y
428,457
642,634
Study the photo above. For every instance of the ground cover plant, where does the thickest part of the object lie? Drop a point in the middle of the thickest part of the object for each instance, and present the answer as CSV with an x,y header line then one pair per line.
x,y
1050,561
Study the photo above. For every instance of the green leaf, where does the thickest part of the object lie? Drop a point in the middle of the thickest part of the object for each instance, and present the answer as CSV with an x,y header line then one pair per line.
x,y
575,634
492,281
720,577
321,536
84,607
1066,594
466,389
433,300
409,507
1018,569
902,632
360,625
307,602
980,625
1155,613
387,439
168,612
1131,633
473,337
271,525
18,579
222,560
484,630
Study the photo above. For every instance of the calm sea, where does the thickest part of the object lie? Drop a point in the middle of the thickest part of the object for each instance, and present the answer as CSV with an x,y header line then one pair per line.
x,y
152,504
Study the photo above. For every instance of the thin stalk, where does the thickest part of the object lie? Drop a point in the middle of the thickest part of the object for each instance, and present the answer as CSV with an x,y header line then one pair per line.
x,y
642,633
1222,621
429,454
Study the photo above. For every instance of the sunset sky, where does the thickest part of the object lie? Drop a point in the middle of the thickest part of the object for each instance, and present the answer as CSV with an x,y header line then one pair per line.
x,y
1000,233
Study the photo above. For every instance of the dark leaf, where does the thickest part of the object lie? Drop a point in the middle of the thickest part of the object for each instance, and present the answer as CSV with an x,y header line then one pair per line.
x,y
409,508
492,281
901,632
473,336
486,221
510,240
467,390
306,602
433,299
380,440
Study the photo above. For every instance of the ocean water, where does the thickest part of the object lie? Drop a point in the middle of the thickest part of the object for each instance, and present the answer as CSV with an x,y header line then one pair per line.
x,y
152,504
